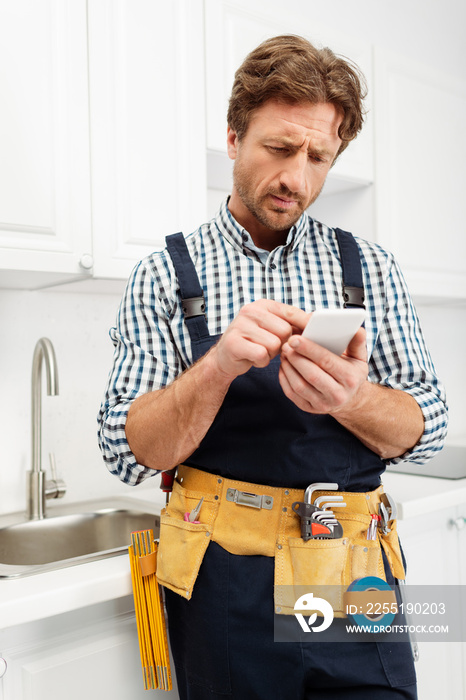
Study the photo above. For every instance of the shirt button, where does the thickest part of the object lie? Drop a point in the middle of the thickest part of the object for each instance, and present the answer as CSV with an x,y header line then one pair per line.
x,y
245,237
273,266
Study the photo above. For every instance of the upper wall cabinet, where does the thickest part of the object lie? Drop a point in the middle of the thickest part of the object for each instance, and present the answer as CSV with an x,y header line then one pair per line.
x,y
232,31
45,220
146,66
420,174
102,147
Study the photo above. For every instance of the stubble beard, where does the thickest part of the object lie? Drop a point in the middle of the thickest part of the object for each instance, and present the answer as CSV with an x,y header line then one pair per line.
x,y
275,218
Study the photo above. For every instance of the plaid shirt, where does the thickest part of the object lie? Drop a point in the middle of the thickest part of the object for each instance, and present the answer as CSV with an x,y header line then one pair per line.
x,y
152,345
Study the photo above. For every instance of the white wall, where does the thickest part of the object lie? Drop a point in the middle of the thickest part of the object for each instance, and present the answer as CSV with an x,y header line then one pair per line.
x,y
429,31
445,332
78,324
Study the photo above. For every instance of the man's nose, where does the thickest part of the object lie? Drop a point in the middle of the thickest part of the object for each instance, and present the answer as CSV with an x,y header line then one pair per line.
x,y
293,175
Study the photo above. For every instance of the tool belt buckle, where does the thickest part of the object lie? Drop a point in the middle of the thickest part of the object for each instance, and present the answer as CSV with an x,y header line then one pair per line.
x,y
253,500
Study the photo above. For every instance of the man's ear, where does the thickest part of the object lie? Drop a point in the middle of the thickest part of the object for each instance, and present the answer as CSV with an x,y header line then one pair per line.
x,y
232,143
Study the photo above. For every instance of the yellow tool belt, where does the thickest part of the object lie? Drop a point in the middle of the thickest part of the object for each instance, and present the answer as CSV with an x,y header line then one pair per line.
x,y
270,528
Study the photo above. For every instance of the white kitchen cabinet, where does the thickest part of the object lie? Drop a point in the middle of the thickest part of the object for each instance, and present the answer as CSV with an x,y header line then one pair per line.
x,y
435,550
147,127
103,104
45,216
91,653
458,524
420,175
231,32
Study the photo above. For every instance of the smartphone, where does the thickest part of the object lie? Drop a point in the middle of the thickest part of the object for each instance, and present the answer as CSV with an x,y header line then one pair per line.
x,y
334,328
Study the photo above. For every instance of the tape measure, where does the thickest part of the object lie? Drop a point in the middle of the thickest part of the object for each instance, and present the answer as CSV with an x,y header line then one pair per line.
x,y
370,602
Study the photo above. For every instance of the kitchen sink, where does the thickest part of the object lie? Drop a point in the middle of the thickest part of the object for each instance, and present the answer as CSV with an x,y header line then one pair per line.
x,y
71,534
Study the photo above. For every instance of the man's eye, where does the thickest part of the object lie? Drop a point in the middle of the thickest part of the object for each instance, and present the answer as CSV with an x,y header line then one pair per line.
x,y
278,149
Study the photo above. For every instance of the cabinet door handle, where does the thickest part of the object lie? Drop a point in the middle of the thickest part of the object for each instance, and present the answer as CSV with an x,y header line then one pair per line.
x,y
86,261
3,667
459,523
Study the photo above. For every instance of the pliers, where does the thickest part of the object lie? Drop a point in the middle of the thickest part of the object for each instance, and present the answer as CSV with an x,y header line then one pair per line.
x,y
191,517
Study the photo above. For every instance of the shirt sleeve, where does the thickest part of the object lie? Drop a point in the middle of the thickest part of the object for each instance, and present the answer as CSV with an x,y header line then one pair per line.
x,y
144,359
401,360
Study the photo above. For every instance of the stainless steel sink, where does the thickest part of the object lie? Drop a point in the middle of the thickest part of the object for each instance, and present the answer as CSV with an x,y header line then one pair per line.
x,y
71,534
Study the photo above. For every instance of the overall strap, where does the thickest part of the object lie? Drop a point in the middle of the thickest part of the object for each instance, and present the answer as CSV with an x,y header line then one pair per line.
x,y
192,295
353,286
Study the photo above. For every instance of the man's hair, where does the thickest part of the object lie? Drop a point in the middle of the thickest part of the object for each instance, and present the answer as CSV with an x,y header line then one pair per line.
x,y
291,70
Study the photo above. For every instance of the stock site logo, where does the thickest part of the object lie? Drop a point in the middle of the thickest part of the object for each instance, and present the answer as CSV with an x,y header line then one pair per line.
x,y
308,603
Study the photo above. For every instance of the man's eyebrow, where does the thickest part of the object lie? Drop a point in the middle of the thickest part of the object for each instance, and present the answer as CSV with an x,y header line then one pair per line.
x,y
292,142
320,152
284,140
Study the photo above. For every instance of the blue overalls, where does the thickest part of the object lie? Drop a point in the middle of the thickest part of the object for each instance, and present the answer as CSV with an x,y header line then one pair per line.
x,y
223,638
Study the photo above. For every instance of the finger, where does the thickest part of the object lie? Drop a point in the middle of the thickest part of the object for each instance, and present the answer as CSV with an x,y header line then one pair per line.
x,y
299,351
237,358
256,353
297,318
310,383
289,393
320,377
357,347
258,323
340,368
299,392
281,319
250,332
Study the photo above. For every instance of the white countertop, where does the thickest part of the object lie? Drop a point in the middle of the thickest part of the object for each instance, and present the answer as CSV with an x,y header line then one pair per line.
x,y
419,495
35,597
55,592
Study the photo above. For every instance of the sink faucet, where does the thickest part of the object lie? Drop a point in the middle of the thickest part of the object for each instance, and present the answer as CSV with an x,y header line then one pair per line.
x,y
38,488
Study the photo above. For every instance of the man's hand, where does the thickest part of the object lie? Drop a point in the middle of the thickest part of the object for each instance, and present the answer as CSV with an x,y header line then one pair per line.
x,y
256,336
165,426
388,421
317,380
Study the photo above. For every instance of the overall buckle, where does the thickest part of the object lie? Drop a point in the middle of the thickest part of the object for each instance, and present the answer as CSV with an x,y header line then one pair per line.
x,y
194,306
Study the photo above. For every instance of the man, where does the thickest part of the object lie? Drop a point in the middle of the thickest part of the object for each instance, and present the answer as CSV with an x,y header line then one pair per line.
x,y
211,372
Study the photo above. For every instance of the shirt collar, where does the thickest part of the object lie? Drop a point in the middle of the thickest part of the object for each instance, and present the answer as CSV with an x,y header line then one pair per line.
x,y
241,239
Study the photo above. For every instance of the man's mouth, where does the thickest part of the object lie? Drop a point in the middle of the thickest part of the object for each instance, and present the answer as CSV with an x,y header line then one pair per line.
x,y
283,202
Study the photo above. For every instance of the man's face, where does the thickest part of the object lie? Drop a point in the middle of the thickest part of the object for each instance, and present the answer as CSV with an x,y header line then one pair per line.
x,y
280,166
